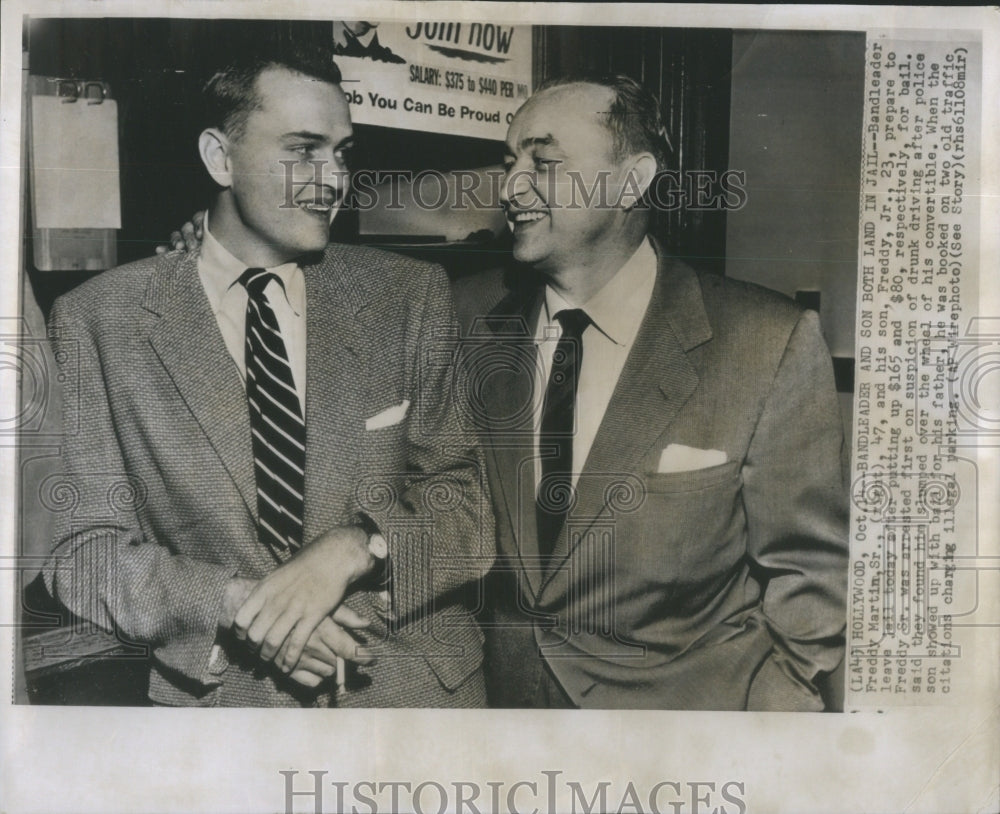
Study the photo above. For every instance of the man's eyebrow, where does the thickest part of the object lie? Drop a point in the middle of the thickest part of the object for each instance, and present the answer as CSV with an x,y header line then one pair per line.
x,y
532,141
306,135
538,141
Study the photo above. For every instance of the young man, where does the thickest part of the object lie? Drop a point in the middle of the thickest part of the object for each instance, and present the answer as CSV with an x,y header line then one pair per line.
x,y
665,448
264,449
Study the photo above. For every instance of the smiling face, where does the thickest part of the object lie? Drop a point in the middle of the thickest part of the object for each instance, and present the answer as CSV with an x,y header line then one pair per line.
x,y
558,152
285,175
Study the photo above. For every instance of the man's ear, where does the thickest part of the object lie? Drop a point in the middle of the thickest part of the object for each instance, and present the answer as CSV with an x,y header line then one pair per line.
x,y
640,174
214,146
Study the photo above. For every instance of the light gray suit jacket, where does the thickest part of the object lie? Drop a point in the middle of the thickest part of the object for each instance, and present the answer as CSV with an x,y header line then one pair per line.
x,y
158,503
720,588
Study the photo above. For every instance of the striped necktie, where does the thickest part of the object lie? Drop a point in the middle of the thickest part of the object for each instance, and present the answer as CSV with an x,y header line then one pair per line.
x,y
276,422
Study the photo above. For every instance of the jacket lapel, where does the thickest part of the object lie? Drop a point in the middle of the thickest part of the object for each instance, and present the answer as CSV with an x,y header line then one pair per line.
x,y
336,336
657,380
508,368
189,344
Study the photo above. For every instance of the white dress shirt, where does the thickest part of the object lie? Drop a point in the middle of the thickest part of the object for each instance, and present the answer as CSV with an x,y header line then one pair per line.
x,y
220,273
616,312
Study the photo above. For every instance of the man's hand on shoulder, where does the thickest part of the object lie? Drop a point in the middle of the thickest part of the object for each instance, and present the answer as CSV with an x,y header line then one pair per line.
x,y
282,611
188,238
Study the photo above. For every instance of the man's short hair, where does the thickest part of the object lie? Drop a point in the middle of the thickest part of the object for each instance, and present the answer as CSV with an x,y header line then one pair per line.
x,y
634,117
231,94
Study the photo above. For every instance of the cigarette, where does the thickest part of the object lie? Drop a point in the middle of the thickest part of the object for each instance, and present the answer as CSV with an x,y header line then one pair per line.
x,y
341,674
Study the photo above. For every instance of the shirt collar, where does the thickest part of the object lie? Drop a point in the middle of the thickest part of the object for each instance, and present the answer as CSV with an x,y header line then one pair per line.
x,y
220,271
617,309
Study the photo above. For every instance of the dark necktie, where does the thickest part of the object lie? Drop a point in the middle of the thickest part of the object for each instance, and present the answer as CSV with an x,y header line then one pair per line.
x,y
557,430
276,423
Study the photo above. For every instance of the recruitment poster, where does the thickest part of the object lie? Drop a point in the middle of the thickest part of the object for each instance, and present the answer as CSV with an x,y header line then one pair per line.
x,y
468,78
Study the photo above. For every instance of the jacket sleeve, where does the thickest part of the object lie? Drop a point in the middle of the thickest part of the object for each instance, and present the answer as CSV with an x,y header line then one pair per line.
x,y
796,502
102,567
439,524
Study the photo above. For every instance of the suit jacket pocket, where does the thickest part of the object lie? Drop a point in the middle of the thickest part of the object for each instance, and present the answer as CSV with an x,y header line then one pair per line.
x,y
384,444
690,530
692,480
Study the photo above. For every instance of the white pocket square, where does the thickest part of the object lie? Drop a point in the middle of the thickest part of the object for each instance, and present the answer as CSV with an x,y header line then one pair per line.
x,y
389,417
679,458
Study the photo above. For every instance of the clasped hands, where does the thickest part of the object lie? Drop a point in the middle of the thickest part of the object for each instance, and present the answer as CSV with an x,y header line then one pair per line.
x,y
294,616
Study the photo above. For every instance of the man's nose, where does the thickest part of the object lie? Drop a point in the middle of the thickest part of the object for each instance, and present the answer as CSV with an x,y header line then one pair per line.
x,y
327,166
517,182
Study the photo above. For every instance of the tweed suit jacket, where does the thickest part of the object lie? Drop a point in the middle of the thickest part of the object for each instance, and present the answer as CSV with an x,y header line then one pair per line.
x,y
158,501
718,588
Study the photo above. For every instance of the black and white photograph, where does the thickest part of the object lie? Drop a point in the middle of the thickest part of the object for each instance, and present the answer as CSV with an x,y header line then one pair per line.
x,y
541,399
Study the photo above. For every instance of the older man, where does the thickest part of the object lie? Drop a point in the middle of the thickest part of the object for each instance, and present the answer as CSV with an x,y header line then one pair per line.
x,y
665,447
